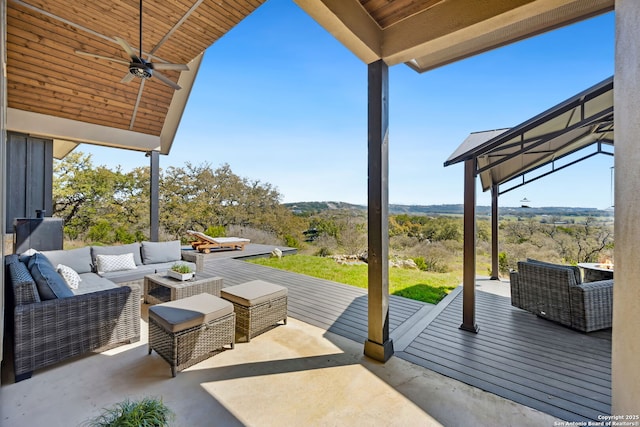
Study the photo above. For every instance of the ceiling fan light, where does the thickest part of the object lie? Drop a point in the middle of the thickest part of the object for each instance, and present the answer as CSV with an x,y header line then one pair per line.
x,y
140,71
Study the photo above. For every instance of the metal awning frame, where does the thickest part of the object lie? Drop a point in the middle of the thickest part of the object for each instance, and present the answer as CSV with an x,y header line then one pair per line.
x,y
577,101
525,181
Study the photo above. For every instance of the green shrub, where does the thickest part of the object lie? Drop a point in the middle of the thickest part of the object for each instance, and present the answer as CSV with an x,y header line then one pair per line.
x,y
323,252
291,241
421,263
100,232
216,231
148,412
503,262
123,236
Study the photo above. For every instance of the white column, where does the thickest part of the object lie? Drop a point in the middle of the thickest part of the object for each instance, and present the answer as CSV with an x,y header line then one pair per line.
x,y
626,294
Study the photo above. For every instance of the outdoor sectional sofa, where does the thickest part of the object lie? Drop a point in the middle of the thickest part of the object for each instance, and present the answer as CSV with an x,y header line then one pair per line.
x,y
52,322
556,292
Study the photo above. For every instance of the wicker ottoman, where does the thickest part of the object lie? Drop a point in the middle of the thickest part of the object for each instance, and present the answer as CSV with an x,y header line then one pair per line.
x,y
190,330
259,305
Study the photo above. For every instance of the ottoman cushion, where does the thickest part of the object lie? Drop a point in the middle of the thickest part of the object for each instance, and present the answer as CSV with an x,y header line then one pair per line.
x,y
176,316
253,293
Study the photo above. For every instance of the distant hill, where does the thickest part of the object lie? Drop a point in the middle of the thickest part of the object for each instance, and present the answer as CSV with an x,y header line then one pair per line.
x,y
307,208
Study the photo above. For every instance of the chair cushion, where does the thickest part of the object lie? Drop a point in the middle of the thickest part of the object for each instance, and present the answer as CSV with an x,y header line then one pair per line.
x,y
158,252
106,263
50,284
133,248
78,259
253,293
176,316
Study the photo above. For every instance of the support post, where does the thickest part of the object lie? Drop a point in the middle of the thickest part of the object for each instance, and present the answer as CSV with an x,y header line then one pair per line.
x,y
495,267
3,145
378,345
469,251
154,195
625,345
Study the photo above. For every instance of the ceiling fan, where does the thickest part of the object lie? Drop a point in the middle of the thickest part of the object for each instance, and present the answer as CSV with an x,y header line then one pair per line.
x,y
138,67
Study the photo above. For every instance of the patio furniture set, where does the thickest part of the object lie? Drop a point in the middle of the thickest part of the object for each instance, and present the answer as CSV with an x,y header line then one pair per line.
x,y
558,293
188,329
96,304
66,303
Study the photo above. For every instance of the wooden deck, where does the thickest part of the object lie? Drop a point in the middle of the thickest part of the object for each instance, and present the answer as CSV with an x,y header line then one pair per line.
x,y
521,357
515,355
335,307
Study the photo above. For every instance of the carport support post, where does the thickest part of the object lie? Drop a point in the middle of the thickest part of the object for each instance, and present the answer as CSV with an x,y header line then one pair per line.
x,y
154,195
495,268
378,345
469,250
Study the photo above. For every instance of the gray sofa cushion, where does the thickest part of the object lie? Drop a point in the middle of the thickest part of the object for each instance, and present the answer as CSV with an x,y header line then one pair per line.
x,y
141,271
133,248
159,252
50,284
78,259
91,282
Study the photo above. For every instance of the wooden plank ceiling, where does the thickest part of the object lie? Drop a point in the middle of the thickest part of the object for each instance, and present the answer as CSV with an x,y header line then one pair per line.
x,y
45,74
47,78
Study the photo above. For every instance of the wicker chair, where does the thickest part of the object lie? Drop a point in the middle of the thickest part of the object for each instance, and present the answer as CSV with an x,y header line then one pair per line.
x,y
556,292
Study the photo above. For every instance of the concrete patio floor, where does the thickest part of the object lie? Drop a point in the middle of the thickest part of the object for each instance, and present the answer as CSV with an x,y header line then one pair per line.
x,y
292,375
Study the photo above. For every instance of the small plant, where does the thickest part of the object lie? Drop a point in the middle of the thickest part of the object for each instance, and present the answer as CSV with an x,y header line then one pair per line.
x,y
148,412
181,268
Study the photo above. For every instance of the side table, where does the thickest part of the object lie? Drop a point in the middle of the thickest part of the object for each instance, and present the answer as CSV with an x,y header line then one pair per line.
x,y
159,288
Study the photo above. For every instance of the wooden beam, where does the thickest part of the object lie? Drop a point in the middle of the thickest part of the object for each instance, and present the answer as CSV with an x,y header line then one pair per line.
x,y
378,345
77,131
348,22
495,267
457,29
469,251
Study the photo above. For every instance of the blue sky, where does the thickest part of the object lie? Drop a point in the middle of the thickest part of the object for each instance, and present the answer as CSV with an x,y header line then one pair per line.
x,y
281,101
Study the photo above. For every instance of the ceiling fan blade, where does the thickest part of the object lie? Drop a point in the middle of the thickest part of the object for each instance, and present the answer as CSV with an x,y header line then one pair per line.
x,y
164,66
93,55
127,48
164,79
127,78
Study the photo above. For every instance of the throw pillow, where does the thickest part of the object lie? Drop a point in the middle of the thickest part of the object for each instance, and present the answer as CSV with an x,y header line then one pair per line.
x,y
106,263
69,275
50,284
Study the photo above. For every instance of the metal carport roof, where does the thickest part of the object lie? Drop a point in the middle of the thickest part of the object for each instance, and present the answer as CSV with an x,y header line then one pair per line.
x,y
503,155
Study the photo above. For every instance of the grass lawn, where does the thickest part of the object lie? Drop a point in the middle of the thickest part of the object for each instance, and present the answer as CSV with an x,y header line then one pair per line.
x,y
415,284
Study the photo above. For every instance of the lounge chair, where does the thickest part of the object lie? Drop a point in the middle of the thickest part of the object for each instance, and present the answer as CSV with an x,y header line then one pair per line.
x,y
204,243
